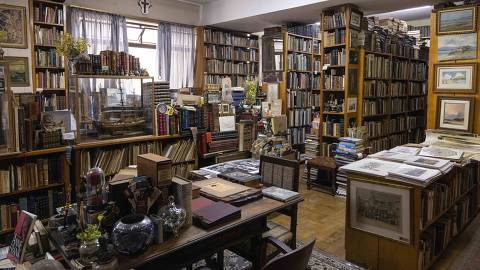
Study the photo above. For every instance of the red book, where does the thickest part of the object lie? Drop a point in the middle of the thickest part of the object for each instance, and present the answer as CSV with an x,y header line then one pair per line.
x,y
22,233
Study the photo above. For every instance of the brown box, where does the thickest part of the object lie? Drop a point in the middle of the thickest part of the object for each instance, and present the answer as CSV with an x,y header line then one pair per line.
x,y
158,168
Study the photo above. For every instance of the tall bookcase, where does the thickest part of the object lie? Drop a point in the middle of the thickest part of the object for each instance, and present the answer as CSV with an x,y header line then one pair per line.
x,y
294,62
339,91
47,21
223,53
393,95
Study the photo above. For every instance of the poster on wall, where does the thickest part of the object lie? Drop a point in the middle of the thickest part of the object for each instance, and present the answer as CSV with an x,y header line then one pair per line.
x,y
13,27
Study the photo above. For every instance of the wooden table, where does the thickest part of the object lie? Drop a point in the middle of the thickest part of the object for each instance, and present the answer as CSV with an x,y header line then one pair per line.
x,y
323,164
194,244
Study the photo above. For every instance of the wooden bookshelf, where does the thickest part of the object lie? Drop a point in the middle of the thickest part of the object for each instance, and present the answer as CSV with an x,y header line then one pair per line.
x,y
389,128
376,251
216,45
299,79
337,45
50,79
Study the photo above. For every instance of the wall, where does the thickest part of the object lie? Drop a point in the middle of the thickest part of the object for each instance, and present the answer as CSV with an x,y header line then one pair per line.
x,y
165,10
21,52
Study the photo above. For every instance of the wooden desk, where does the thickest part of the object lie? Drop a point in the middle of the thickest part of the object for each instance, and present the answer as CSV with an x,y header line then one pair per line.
x,y
194,244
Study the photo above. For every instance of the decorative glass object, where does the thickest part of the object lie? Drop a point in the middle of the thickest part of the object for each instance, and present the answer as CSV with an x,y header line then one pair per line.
x,y
88,249
173,216
132,234
94,188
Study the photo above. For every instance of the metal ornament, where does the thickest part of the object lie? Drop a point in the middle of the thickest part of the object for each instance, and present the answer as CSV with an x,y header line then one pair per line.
x,y
145,6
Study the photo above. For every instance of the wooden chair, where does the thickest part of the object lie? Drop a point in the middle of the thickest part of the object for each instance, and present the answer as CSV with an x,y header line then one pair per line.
x,y
296,259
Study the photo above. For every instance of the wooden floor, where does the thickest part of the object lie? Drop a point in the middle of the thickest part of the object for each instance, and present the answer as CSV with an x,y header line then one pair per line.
x,y
322,216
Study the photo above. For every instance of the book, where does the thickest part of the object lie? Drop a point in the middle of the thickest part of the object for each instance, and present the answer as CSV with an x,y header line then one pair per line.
x,y
391,156
280,194
219,188
240,177
370,166
405,149
433,163
414,174
440,152
23,230
215,213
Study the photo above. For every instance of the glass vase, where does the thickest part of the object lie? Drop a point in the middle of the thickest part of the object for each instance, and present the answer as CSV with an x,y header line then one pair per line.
x,y
88,249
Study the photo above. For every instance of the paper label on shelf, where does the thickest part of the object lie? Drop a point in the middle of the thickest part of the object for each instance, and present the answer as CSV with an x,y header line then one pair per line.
x,y
227,123
325,67
68,136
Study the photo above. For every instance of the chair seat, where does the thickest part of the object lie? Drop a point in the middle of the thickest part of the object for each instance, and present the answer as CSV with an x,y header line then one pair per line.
x,y
279,232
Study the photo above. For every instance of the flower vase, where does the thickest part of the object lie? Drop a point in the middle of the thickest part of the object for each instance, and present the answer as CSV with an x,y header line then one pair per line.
x,y
88,249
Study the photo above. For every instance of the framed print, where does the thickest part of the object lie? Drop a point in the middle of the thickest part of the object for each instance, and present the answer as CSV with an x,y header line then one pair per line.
x,y
458,20
19,71
355,19
455,113
352,104
455,78
383,210
13,23
457,47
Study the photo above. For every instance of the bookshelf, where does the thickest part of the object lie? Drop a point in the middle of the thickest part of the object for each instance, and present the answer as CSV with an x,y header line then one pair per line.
x,y
50,75
393,92
294,62
341,78
222,53
438,214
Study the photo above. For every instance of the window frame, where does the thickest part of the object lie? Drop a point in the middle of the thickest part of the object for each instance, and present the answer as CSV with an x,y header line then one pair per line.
x,y
142,25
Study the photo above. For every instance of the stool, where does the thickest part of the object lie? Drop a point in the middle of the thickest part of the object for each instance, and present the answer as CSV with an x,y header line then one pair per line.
x,y
329,166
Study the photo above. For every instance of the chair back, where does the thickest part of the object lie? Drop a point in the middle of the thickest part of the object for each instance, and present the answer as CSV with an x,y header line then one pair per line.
x,y
294,260
280,172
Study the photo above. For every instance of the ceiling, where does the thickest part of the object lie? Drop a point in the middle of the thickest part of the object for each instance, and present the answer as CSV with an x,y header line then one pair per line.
x,y
308,13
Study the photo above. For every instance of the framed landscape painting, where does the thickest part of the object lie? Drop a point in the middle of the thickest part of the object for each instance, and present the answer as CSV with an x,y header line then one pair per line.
x,y
455,113
13,25
457,47
19,71
455,78
458,20
380,209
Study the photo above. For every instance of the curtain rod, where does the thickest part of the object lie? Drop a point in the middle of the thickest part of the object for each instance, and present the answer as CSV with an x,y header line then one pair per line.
x,y
130,16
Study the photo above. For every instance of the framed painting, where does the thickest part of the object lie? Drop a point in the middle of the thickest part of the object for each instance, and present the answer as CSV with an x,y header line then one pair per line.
x,y
457,47
380,209
455,78
457,20
19,71
455,113
355,19
13,26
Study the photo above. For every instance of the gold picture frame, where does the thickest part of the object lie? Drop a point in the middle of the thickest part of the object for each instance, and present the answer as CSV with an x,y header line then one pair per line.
x,y
13,21
455,113
19,71
456,20
455,78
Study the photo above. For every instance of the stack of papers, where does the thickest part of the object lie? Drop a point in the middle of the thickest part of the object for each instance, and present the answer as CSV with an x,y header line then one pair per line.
x,y
406,150
392,156
414,174
443,153
432,163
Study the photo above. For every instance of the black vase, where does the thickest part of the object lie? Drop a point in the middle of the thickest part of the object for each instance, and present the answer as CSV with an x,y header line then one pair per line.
x,y
132,234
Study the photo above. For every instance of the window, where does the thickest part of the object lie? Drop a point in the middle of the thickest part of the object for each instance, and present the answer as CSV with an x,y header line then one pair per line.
x,y
142,43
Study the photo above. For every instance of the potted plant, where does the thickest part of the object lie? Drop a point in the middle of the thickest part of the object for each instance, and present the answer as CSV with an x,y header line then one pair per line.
x,y
71,48
89,241
251,92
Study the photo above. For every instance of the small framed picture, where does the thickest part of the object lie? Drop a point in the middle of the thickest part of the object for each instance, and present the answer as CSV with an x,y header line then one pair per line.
x,y
355,19
13,23
352,104
380,209
455,78
457,47
19,71
456,20
455,113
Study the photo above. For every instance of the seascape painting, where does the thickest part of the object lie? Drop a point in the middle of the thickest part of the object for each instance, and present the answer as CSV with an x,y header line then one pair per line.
x,y
455,78
380,209
455,113
13,26
457,47
456,20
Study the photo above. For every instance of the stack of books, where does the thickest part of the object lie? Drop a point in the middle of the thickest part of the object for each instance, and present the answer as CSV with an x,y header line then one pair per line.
x,y
312,150
161,92
348,150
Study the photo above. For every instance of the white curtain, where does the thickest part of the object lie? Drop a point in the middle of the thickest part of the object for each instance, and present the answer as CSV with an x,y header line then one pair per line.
x,y
176,54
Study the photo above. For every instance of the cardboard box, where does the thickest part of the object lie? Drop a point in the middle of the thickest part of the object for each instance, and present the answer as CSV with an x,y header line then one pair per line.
x,y
157,168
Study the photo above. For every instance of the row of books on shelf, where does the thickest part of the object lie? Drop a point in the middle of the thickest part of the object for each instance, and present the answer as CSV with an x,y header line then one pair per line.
x,y
317,65
299,117
219,52
50,80
380,88
245,68
48,58
42,205
299,44
181,151
335,20
302,99
437,237
385,68
222,66
40,172
297,135
333,127
309,30
298,61
161,92
334,82
227,38
213,142
46,36
336,57
334,38
109,63
302,80
240,54
398,124
113,160
392,106
48,14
